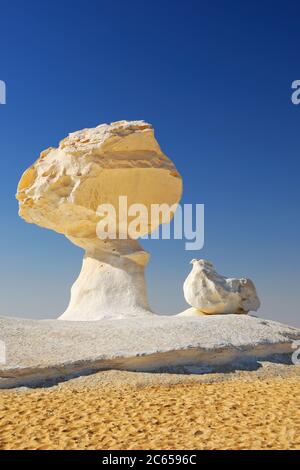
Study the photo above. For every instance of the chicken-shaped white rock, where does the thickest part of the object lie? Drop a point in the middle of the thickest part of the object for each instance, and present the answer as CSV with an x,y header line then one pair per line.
x,y
210,293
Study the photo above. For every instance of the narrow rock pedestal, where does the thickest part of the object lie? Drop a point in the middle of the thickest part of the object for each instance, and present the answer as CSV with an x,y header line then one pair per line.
x,y
111,283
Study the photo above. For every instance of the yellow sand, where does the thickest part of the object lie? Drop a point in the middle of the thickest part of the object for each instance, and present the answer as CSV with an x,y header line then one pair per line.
x,y
263,413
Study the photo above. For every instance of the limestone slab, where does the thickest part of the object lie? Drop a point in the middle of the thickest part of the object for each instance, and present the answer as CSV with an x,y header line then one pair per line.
x,y
38,350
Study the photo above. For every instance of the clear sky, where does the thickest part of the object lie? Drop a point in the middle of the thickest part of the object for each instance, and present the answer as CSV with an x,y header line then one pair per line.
x,y
214,78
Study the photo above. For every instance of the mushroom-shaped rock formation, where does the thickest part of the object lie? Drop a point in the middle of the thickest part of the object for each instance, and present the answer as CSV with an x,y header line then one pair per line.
x,y
63,190
210,293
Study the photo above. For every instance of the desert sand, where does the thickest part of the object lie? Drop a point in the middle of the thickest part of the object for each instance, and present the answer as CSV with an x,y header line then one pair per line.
x,y
126,410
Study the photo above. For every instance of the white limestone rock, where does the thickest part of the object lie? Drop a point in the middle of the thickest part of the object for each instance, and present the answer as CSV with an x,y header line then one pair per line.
x,y
210,293
61,350
62,191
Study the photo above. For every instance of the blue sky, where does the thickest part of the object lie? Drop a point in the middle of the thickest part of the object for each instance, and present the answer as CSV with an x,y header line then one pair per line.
x,y
214,78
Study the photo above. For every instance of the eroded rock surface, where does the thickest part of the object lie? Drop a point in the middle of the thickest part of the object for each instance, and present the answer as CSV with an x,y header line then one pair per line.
x,y
63,190
60,350
64,187
210,293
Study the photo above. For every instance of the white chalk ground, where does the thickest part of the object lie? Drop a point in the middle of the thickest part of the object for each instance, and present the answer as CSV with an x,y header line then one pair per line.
x,y
41,350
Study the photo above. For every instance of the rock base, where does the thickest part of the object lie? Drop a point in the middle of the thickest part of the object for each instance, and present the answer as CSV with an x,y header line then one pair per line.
x,y
38,351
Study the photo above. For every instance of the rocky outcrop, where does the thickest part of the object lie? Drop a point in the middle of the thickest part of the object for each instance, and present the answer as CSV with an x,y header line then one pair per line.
x,y
210,293
63,190
53,350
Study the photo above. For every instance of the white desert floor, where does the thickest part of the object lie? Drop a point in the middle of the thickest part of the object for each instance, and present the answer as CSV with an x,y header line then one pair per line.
x,y
37,351
219,382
